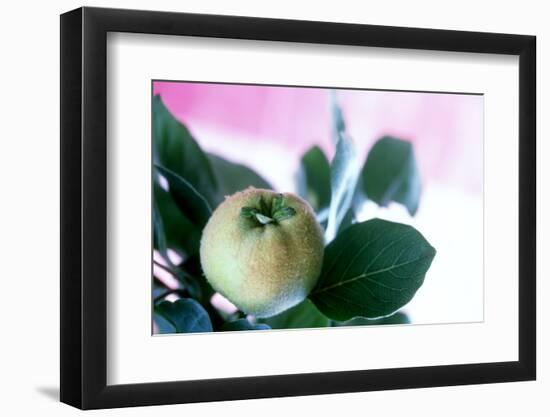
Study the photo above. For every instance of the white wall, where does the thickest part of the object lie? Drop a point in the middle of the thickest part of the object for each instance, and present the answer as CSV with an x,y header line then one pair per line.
x,y
29,209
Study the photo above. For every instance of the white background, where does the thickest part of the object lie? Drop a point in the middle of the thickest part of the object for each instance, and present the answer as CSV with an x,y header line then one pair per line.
x,y
134,356
29,213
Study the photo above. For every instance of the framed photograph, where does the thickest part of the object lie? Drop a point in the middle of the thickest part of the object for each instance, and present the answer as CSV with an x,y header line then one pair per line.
x,y
257,208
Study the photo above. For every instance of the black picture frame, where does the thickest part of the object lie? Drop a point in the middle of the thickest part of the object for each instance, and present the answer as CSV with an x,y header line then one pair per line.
x,y
84,207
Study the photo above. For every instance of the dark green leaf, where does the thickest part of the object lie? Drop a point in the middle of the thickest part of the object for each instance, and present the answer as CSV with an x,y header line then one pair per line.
x,y
232,177
397,318
158,290
192,266
371,270
390,174
175,148
303,316
191,286
192,204
190,274
186,315
243,324
180,233
163,325
159,239
314,178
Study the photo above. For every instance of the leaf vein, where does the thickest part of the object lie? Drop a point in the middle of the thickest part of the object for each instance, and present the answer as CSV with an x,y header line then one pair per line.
x,y
367,274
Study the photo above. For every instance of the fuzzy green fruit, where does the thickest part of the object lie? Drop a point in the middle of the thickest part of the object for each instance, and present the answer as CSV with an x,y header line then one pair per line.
x,y
262,250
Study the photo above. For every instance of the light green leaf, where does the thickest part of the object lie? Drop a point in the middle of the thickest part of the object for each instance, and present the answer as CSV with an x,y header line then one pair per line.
x,y
192,204
314,178
186,315
344,172
303,316
390,174
371,270
242,324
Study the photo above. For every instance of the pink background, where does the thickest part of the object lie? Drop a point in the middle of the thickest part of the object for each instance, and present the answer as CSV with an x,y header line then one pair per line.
x,y
446,129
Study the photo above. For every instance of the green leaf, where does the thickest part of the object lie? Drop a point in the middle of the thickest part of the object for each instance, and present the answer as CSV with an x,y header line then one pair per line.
x,y
232,177
243,324
303,316
186,315
344,172
338,122
192,204
158,290
159,238
314,178
163,325
192,266
390,174
175,148
277,203
264,208
189,283
283,214
371,270
249,212
180,233
396,318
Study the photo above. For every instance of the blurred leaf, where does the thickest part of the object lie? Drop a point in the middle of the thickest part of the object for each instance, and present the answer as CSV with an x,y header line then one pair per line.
x,y
338,122
192,266
163,325
304,315
191,285
192,204
344,172
390,174
242,324
180,292
314,178
186,315
371,270
396,318
232,177
180,234
159,239
175,148
158,290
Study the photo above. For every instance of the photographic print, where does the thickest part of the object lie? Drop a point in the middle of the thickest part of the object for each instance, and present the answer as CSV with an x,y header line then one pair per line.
x,y
296,207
